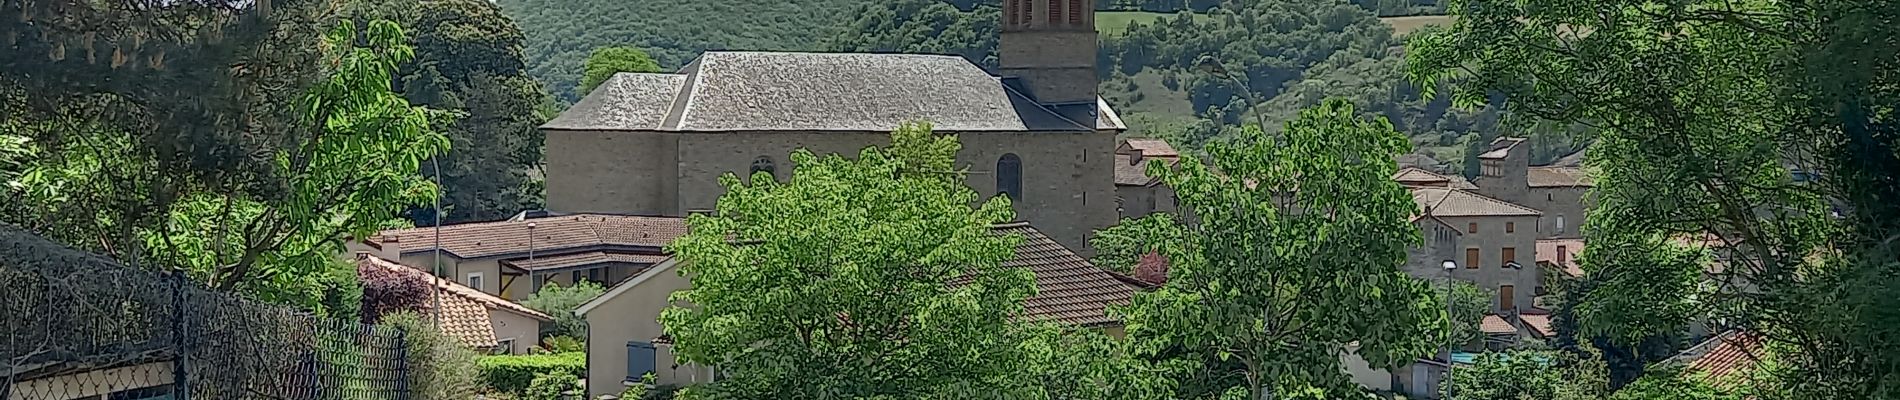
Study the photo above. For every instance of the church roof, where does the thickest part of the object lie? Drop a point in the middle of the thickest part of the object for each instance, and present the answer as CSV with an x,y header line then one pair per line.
x,y
786,91
1462,203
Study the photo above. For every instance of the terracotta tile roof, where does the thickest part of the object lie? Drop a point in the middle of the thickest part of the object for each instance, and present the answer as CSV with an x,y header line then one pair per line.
x,y
1130,173
1547,253
1727,357
1149,148
1069,289
465,310
1419,177
1538,324
583,259
1557,177
1496,325
1460,203
488,239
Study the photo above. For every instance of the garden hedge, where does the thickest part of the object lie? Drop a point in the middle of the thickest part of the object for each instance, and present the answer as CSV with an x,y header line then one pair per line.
x,y
513,374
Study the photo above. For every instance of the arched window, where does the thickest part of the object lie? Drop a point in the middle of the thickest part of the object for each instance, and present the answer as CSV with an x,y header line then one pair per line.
x,y
763,164
1009,176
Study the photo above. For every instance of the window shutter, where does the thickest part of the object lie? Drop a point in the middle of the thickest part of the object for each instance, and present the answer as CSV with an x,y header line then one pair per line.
x,y
1055,12
640,360
1075,13
1510,254
1471,258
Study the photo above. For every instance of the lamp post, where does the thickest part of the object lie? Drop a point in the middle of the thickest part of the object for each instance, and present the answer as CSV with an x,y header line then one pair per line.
x,y
1212,66
1451,341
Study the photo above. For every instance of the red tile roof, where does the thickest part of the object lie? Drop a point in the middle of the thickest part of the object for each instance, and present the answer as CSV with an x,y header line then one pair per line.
x,y
1150,147
1729,356
1419,177
489,239
1131,173
465,311
1069,289
1496,325
1460,203
1538,324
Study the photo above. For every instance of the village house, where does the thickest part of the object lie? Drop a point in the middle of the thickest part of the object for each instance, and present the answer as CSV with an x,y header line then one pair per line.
x,y
478,320
656,143
625,339
1137,193
513,258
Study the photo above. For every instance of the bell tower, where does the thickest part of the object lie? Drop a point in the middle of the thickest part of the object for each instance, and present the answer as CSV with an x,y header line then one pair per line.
x,y
1051,46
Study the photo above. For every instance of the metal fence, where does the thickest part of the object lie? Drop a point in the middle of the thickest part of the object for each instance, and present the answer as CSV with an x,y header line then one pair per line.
x,y
74,325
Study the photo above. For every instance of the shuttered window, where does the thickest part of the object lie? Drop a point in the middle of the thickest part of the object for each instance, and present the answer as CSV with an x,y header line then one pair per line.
x,y
1471,258
1075,13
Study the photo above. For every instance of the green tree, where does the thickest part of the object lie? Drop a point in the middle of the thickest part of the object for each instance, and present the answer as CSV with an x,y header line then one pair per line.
x,y
1293,232
921,27
1702,108
1469,303
560,301
440,368
469,62
1530,374
872,277
607,61
1119,247
344,168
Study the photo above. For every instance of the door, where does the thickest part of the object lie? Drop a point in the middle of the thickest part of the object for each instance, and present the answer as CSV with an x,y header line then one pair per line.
x,y
1507,297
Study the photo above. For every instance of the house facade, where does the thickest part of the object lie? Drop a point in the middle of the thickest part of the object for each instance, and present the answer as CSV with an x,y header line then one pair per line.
x,y
1137,193
656,144
625,339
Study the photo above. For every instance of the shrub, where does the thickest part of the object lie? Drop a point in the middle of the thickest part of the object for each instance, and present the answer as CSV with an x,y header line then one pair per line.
x,y
552,386
560,302
386,291
439,367
514,374
563,344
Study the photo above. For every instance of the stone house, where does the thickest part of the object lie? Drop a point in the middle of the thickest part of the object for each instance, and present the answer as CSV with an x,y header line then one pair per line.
x,y
1496,248
1136,193
479,320
1559,192
656,144
625,339
513,258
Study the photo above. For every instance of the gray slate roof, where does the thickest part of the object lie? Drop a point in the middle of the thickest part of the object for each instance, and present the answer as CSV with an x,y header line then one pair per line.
x,y
780,91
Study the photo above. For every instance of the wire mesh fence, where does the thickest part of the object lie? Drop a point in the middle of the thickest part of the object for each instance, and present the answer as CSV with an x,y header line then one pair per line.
x,y
74,325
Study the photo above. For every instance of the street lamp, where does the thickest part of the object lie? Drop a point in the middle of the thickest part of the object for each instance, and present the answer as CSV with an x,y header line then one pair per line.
x,y
1451,341
1212,66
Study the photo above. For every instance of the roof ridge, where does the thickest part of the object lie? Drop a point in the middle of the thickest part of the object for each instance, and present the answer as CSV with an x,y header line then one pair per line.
x,y
1506,203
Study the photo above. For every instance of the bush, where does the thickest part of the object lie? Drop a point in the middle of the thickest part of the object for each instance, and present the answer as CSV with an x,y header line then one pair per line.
x,y
552,386
439,367
562,344
560,302
514,374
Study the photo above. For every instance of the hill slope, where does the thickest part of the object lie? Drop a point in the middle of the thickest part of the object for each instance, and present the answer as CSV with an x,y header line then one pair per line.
x,y
560,33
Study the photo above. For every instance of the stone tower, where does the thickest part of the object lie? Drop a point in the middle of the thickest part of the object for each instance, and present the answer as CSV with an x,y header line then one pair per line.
x,y
1050,45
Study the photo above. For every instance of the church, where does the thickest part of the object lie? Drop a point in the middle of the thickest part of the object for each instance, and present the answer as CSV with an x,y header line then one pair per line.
x,y
1038,132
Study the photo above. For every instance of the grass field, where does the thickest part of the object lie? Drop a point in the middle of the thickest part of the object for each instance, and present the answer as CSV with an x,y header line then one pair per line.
x,y
1404,25
1115,22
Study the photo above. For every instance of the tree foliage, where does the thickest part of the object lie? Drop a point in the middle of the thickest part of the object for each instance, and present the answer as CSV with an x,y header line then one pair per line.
x,y
1529,374
560,301
607,61
920,27
387,292
469,62
1293,232
345,162
865,278
1702,109
1119,248
439,367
